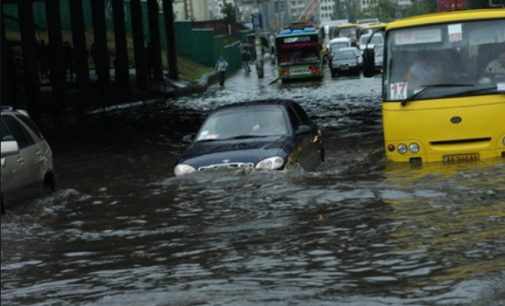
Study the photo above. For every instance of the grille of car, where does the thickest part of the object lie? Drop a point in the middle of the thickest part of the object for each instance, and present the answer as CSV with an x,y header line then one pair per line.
x,y
227,166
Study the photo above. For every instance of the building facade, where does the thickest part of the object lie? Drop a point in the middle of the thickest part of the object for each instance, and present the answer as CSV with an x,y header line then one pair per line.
x,y
194,10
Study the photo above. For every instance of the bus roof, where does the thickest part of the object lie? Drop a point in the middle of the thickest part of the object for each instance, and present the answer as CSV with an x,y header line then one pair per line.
x,y
446,17
347,25
297,32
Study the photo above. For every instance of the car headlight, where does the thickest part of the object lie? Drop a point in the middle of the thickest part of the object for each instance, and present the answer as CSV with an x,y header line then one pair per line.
x,y
183,169
272,163
402,149
414,148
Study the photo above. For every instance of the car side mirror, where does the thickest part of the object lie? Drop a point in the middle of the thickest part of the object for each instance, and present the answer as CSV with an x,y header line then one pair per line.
x,y
303,129
9,147
369,62
188,138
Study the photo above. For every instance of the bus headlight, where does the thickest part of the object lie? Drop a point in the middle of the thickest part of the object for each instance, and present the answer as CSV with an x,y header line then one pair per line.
x,y
402,148
414,148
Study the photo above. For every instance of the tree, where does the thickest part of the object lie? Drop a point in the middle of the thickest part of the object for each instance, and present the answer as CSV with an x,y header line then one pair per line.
x,y
386,10
421,7
229,12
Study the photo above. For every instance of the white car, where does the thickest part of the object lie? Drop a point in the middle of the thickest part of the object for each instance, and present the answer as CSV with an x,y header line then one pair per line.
x,y
376,43
26,157
339,43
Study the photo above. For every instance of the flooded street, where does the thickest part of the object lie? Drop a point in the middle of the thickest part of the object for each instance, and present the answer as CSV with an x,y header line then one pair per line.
x,y
121,230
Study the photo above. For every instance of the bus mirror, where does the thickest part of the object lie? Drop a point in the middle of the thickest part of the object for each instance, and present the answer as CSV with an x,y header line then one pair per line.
x,y
369,62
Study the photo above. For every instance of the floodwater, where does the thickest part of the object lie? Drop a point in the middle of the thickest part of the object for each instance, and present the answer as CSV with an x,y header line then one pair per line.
x,y
122,230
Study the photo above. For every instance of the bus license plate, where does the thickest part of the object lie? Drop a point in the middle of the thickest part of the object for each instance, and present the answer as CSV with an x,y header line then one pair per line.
x,y
456,158
299,71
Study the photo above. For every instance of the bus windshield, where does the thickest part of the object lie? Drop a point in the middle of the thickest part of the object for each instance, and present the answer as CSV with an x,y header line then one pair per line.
x,y
445,60
298,50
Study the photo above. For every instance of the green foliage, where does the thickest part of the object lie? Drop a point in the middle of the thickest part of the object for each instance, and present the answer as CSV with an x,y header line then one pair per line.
x,y
386,10
421,7
229,12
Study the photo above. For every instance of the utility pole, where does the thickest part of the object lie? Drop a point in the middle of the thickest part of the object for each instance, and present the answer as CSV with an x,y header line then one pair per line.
x,y
259,51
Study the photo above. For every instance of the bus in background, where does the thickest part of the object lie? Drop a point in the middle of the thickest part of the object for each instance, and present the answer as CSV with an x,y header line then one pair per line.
x,y
443,86
299,54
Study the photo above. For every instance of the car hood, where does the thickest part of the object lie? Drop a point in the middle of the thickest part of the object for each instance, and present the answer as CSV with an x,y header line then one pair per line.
x,y
201,154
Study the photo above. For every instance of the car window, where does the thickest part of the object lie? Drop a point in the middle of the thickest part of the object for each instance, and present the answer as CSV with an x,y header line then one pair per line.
x,y
301,114
29,122
18,131
5,134
295,121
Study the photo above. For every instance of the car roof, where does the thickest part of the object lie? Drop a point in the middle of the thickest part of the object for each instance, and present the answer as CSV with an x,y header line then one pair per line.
x,y
340,39
6,109
281,103
347,49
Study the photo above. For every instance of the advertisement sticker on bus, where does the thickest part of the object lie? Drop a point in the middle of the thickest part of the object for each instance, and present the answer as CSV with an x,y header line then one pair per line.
x,y
455,32
399,91
418,36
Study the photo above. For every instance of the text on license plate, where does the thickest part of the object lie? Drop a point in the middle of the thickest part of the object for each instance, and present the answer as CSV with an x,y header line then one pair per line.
x,y
461,158
299,71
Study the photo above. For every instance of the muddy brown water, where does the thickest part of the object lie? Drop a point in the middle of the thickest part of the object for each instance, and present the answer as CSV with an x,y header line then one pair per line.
x,y
121,230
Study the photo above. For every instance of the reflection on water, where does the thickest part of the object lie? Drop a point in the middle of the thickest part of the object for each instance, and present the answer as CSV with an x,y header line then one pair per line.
x,y
359,231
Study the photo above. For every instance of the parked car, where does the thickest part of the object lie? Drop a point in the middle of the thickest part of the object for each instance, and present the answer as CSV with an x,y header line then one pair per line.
x,y
345,60
271,135
26,157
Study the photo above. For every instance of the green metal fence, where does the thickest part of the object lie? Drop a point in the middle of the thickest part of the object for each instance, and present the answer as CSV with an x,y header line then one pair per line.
x,y
201,45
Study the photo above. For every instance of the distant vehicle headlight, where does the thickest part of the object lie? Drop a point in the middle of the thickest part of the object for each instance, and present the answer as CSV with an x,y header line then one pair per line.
x,y
272,163
414,148
402,149
183,169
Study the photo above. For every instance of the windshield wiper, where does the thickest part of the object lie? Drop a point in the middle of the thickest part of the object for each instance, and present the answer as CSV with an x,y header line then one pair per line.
x,y
476,90
423,89
245,137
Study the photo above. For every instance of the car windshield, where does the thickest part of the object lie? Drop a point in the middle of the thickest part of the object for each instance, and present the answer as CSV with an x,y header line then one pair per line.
x,y
348,32
445,60
339,45
260,121
345,54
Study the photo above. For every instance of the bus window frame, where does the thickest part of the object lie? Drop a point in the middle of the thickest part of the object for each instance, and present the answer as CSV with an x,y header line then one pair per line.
x,y
386,57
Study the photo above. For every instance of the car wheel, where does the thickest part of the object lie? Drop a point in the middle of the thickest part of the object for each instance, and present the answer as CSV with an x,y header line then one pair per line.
x,y
50,181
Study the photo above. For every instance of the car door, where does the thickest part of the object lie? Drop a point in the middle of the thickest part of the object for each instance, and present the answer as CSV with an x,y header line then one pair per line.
x,y
313,142
9,177
40,163
25,160
301,154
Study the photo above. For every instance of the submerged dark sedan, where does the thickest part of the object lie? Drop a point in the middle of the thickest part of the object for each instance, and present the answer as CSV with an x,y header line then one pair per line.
x,y
268,135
